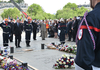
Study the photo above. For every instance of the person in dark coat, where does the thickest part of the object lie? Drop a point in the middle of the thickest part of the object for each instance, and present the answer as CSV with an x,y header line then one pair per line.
x,y
6,32
80,21
28,30
62,28
69,24
51,31
34,29
74,28
55,28
18,31
88,40
66,26
12,28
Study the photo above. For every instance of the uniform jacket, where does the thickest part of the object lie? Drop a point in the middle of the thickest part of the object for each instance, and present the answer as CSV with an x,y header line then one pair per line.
x,y
86,55
62,28
28,27
6,28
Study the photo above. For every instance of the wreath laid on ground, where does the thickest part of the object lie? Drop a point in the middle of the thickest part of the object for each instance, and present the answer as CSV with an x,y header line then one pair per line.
x,y
68,48
64,62
62,47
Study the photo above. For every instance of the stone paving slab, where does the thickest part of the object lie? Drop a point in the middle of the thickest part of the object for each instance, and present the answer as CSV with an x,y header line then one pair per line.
x,y
38,58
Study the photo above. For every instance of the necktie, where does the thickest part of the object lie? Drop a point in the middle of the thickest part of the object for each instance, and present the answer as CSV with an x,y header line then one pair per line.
x,y
73,23
18,24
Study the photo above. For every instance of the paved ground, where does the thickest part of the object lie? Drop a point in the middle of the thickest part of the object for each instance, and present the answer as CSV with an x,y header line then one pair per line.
x,y
38,58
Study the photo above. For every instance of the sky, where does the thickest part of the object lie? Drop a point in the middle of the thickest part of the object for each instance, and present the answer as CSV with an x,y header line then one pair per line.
x,y
51,6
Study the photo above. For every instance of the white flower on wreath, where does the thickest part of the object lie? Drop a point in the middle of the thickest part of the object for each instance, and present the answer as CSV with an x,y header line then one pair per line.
x,y
64,63
60,63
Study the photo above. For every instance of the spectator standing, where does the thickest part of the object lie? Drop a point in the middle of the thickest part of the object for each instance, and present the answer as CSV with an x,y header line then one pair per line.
x,y
55,28
43,29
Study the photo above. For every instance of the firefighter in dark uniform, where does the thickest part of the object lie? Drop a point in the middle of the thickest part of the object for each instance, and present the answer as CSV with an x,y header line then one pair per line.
x,y
12,28
28,31
62,28
88,45
6,31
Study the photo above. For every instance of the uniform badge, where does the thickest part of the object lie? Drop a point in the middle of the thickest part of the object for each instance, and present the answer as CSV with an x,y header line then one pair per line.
x,y
80,34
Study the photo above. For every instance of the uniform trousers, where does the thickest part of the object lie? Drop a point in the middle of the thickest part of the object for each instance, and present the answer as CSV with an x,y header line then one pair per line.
x,y
5,39
27,37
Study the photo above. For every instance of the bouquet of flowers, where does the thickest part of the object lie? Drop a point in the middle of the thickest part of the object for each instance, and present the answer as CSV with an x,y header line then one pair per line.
x,y
69,49
64,62
8,64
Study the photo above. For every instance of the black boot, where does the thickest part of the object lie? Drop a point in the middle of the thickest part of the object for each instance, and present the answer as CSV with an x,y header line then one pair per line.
x,y
28,43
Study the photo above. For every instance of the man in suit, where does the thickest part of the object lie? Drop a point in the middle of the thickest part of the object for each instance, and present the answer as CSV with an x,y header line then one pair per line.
x,y
69,29
12,28
74,28
43,29
18,31
34,29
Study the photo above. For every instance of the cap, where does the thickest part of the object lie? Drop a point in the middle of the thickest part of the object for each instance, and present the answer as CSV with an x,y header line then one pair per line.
x,y
5,19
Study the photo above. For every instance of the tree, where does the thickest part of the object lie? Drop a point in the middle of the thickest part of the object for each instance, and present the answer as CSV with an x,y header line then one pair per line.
x,y
11,13
19,1
70,10
34,8
65,13
35,11
71,6
81,11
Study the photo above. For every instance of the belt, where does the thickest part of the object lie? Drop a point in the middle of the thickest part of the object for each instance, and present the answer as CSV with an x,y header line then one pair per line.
x,y
6,32
28,29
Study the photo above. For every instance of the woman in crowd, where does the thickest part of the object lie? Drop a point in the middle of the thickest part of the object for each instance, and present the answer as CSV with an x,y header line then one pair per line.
x,y
55,27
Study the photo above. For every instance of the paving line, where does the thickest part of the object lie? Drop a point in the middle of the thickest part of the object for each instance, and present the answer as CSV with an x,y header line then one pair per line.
x,y
28,64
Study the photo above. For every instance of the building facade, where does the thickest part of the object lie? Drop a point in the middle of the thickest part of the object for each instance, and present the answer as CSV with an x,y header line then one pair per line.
x,y
3,6
86,6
